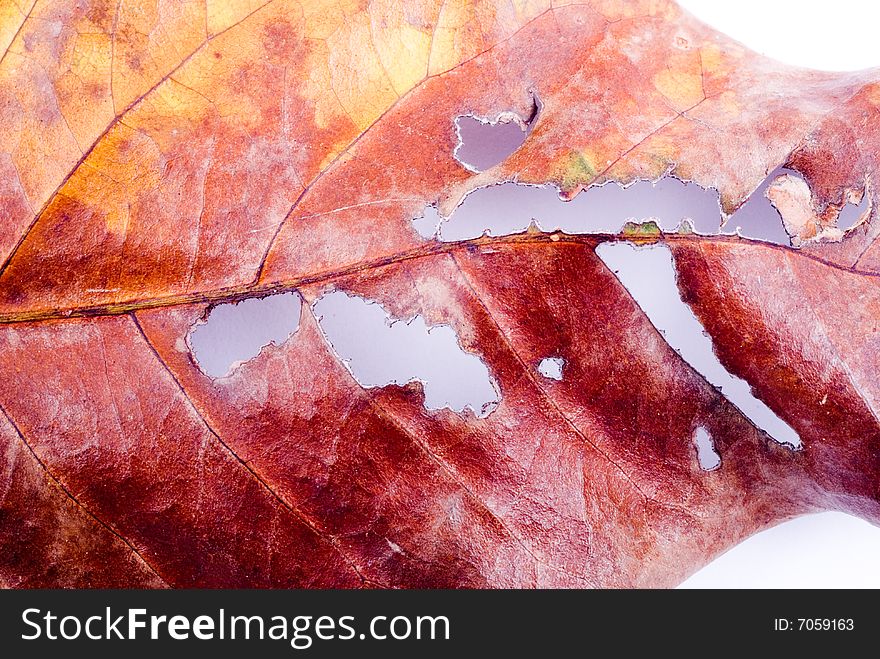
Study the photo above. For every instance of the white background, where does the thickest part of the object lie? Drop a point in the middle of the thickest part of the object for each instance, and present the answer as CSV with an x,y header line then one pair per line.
x,y
828,550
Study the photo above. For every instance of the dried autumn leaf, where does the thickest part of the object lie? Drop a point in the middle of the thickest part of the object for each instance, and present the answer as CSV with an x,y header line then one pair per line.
x,y
158,158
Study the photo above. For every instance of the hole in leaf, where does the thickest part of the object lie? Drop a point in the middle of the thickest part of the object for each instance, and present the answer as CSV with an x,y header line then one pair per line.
x,y
484,143
851,213
648,273
707,456
509,208
551,367
236,332
379,351
757,218
428,224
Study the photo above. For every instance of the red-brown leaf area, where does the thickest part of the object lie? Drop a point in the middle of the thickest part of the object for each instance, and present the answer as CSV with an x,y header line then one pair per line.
x,y
156,158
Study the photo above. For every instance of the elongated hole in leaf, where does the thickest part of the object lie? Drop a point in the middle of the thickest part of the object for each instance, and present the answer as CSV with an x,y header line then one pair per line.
x,y
379,351
672,204
236,332
707,456
648,273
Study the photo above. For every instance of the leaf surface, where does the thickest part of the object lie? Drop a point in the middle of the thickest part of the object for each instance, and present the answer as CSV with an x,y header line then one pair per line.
x,y
159,158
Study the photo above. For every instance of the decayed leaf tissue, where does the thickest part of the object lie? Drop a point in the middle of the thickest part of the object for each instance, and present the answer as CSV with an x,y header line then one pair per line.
x,y
507,363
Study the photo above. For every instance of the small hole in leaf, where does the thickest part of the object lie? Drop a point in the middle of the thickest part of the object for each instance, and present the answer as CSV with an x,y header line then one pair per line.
x,y
706,454
379,351
483,144
648,273
851,213
551,367
236,332
428,224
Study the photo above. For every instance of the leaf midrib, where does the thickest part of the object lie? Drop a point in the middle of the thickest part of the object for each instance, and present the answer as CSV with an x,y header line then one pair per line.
x,y
429,249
